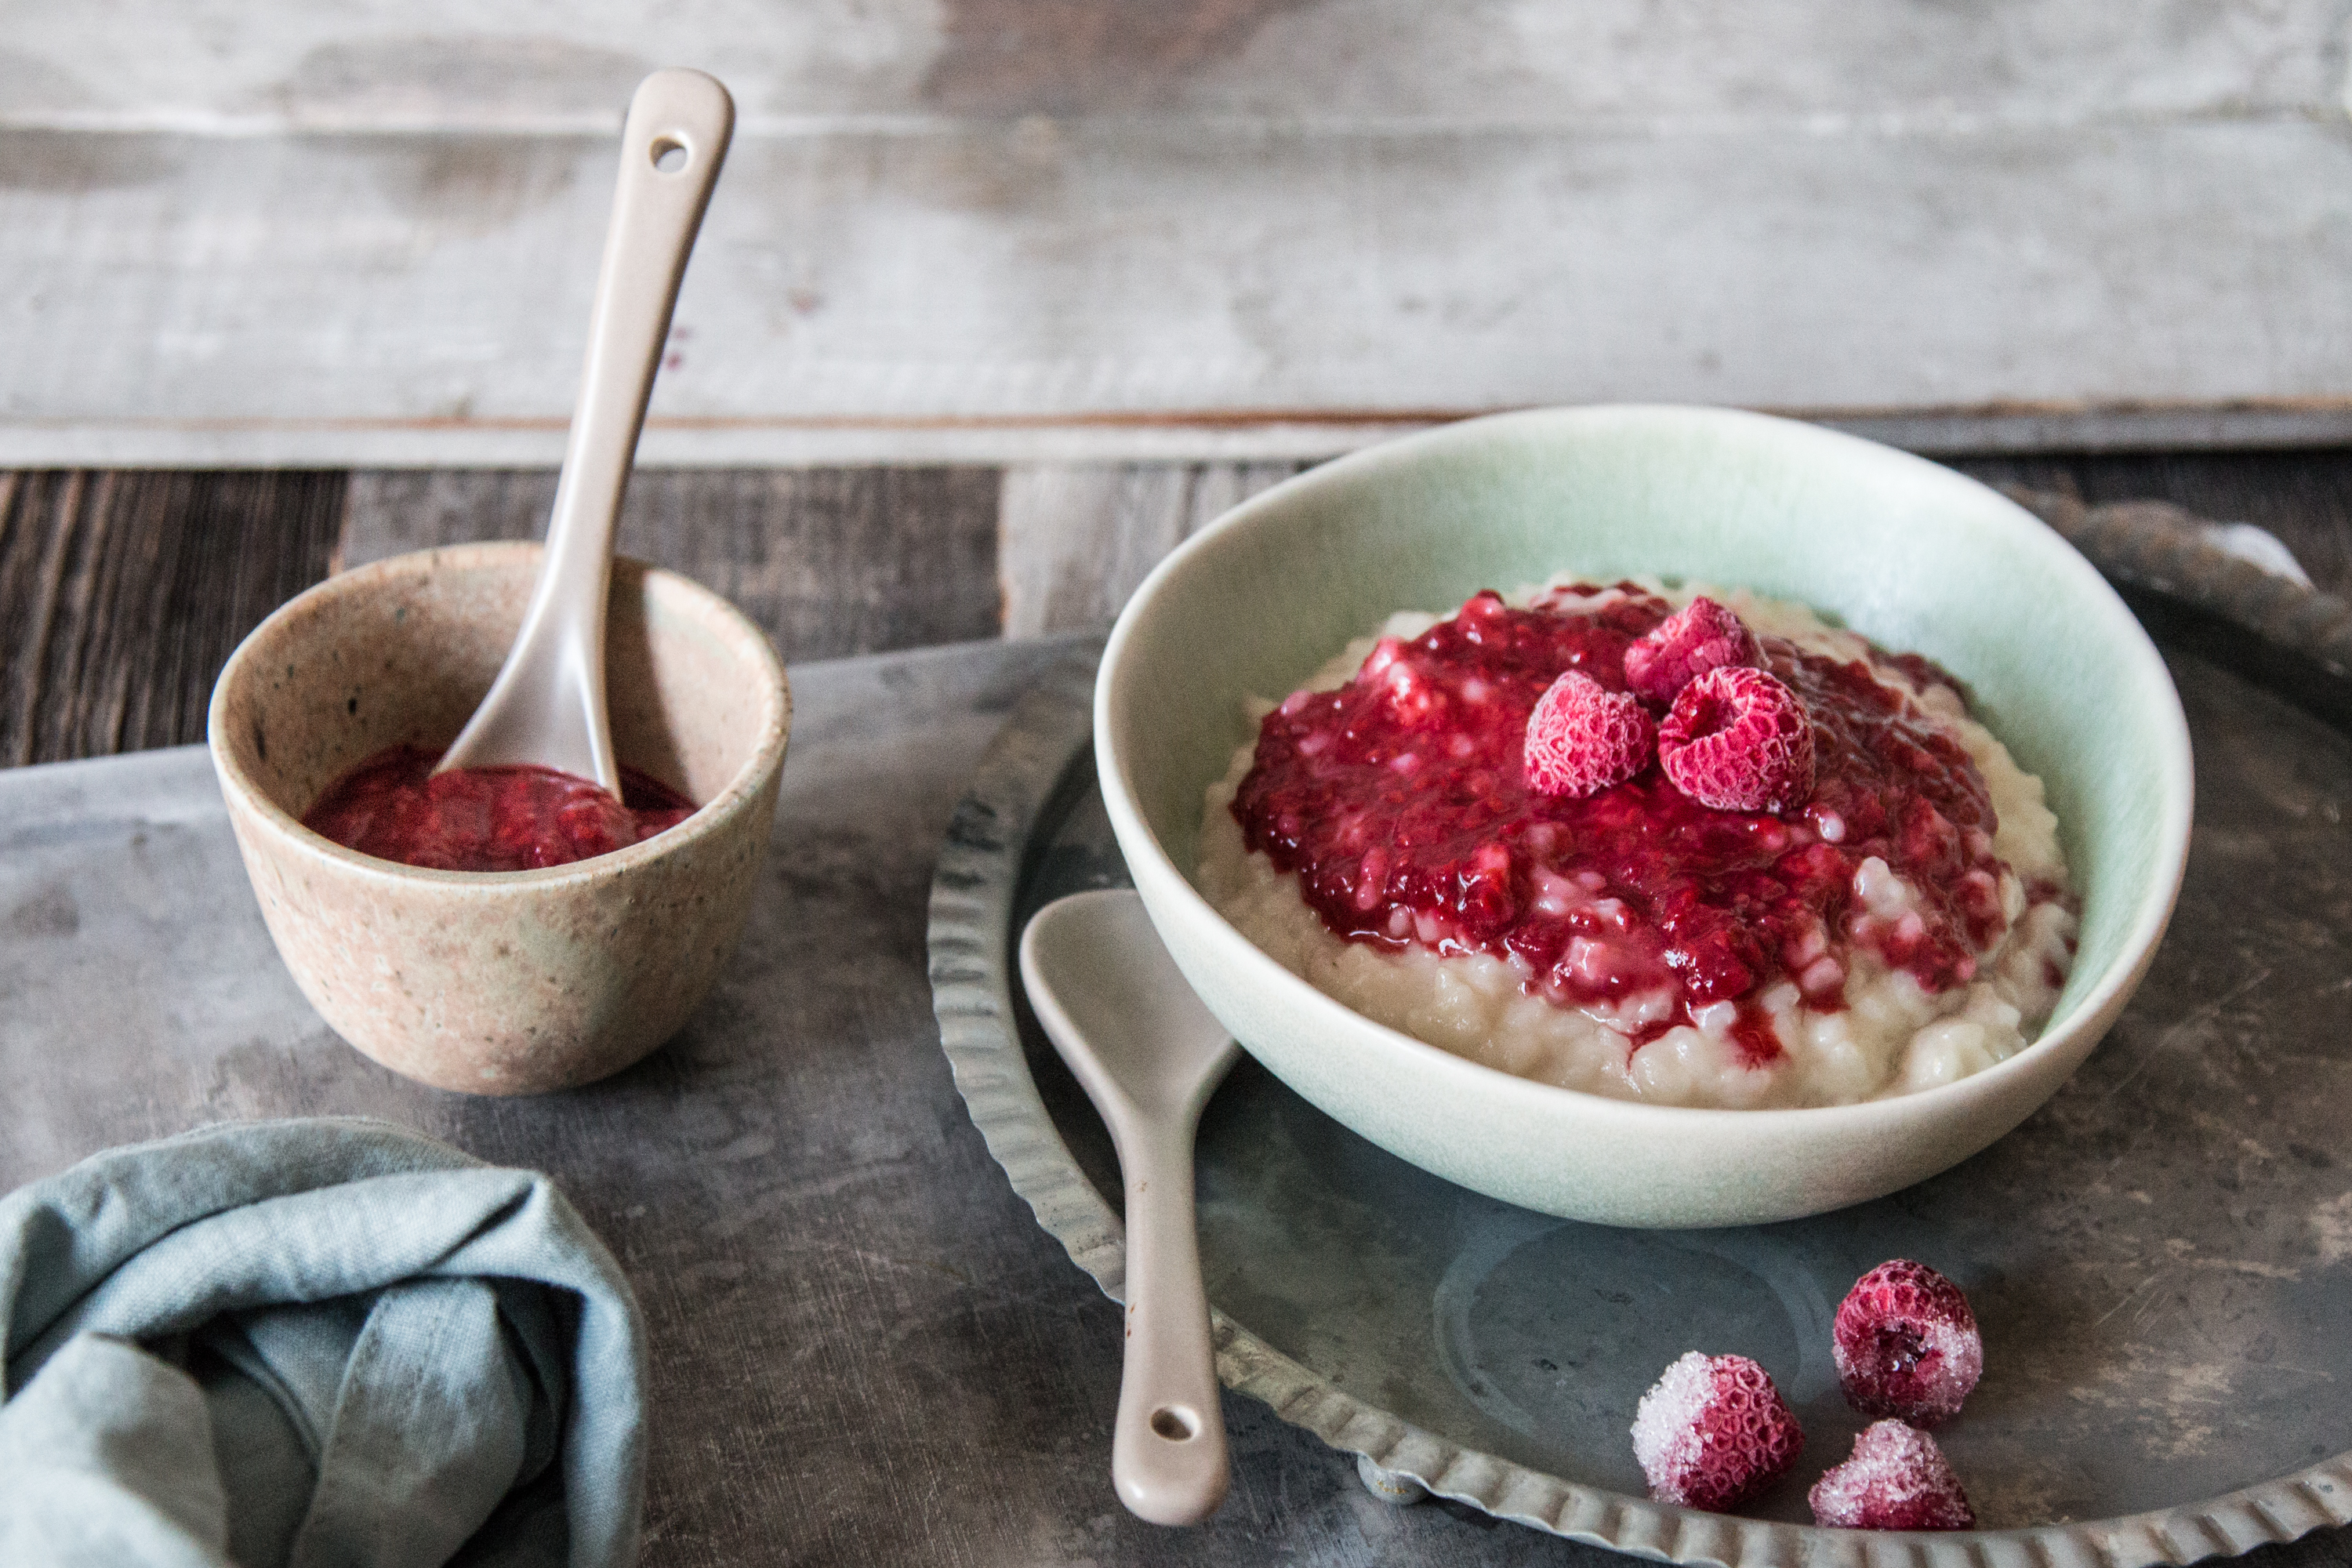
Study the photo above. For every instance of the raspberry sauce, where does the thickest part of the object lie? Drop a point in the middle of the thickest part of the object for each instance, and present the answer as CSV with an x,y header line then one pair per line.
x,y
1401,802
395,807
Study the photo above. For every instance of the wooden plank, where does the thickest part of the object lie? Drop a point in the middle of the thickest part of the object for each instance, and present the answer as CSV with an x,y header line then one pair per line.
x,y
1075,540
1241,230
122,595
2302,497
257,66
1078,539
827,562
1147,286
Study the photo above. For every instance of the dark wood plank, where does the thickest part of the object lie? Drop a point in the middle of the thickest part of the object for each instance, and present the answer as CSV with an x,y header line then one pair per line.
x,y
827,561
1075,540
2304,496
121,595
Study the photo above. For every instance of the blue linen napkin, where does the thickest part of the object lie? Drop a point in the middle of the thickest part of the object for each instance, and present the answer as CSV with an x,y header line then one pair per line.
x,y
313,1342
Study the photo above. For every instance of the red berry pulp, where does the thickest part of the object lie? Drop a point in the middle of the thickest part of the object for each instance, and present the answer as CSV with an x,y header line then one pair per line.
x,y
395,807
1401,802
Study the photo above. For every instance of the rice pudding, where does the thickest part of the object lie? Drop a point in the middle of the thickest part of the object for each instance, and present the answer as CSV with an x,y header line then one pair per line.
x,y
1900,920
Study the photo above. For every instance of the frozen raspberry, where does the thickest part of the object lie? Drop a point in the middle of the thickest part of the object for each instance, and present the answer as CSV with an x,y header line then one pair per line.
x,y
1906,1344
1700,636
1714,1432
1739,739
1896,1479
1583,737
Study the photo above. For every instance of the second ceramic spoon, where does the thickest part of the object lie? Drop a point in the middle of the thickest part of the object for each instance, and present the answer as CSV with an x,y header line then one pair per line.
x,y
1149,1054
547,706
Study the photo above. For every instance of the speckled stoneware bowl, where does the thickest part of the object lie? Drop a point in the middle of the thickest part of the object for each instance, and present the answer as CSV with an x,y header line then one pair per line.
x,y
1908,552
507,983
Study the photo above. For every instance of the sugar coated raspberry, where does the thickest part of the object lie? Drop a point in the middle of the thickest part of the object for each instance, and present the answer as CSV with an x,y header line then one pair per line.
x,y
1714,1432
1700,636
1906,1344
1895,1479
1583,737
1739,739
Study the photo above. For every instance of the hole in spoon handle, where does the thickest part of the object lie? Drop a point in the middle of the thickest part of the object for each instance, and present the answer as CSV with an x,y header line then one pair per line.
x,y
1175,1422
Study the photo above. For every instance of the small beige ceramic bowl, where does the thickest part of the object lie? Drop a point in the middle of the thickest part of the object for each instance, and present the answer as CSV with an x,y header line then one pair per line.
x,y
1913,555
507,983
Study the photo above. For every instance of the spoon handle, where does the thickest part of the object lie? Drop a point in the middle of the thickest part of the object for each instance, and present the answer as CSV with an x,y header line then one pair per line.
x,y
671,147
675,137
1167,1456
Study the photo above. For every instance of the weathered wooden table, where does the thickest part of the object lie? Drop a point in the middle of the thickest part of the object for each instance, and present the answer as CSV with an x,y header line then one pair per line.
x,y
864,1351
277,232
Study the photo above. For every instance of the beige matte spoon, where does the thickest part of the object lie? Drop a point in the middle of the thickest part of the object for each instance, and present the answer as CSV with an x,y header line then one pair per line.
x,y
547,706
1148,1054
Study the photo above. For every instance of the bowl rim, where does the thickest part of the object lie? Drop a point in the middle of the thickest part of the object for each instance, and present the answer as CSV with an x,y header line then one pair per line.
x,y
1157,875
744,785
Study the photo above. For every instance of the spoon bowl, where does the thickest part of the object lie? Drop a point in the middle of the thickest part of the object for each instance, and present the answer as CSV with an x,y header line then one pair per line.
x,y
1149,1054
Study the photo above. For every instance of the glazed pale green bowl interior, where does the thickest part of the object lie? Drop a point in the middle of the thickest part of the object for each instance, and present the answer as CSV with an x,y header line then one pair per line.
x,y
1912,555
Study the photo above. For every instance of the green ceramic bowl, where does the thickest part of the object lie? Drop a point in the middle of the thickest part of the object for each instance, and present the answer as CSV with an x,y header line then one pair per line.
x,y
1910,554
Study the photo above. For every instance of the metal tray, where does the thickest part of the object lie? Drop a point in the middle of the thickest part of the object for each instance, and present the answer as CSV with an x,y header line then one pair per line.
x,y
2161,1259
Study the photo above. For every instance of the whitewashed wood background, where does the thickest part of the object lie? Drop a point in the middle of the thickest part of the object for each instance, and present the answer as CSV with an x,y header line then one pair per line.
x,y
364,232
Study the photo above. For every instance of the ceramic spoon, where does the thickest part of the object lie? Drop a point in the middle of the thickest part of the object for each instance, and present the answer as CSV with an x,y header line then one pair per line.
x,y
1148,1054
547,706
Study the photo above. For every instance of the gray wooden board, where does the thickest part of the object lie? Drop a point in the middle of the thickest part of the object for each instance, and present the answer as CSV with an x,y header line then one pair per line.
x,y
366,234
1075,540
2302,497
120,592
827,562
864,1350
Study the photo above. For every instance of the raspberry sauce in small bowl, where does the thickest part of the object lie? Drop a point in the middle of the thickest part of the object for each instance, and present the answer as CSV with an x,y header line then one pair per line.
x,y
395,807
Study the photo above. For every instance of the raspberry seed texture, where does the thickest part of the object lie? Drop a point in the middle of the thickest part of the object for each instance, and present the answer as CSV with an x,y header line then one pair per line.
x,y
1582,738
1700,636
1906,1344
1896,1478
1739,739
1712,1432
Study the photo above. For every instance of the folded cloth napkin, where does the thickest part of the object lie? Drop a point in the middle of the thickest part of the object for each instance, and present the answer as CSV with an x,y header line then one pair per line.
x,y
312,1342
